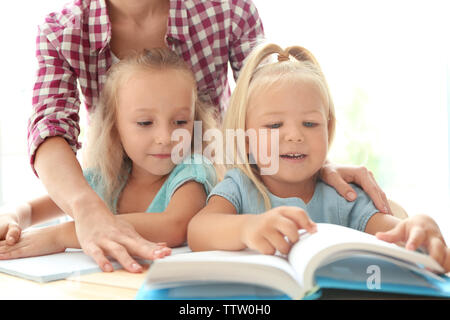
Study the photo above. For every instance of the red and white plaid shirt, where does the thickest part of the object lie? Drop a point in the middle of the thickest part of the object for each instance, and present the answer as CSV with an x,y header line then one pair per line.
x,y
73,45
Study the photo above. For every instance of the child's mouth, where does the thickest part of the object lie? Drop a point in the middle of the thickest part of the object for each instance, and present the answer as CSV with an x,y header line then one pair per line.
x,y
293,156
162,155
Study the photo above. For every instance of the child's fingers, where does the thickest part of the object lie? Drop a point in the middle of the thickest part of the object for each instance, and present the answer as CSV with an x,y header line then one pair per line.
x,y
263,245
446,262
17,250
278,241
301,218
288,228
416,238
436,250
13,234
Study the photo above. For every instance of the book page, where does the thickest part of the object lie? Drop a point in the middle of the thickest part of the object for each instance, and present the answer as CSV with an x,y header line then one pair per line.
x,y
244,266
313,250
354,269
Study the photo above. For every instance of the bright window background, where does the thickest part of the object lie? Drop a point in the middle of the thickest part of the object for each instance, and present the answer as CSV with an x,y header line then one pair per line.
x,y
387,64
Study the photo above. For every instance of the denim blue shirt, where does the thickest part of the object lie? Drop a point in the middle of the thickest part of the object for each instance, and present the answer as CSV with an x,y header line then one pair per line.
x,y
326,205
196,168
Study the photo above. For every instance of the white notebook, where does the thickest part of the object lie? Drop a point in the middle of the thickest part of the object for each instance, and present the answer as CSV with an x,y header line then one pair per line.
x,y
72,262
52,267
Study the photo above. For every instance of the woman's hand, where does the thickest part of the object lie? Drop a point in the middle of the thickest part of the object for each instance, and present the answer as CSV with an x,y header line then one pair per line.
x,y
339,178
267,232
32,243
420,231
102,235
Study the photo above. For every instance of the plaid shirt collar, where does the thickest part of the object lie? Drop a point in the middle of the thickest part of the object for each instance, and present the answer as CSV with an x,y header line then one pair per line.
x,y
100,30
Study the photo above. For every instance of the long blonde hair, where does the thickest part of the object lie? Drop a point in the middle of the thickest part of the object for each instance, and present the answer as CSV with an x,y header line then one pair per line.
x,y
104,153
293,63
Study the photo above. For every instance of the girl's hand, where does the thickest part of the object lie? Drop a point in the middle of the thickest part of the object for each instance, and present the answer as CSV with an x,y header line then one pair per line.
x,y
266,232
13,221
33,243
9,228
339,178
420,231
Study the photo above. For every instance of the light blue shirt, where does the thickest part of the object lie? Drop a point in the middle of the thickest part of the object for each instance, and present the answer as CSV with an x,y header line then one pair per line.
x,y
196,168
326,205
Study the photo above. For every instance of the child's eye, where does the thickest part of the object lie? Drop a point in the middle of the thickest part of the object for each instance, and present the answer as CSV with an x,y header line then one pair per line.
x,y
274,125
310,124
181,122
144,123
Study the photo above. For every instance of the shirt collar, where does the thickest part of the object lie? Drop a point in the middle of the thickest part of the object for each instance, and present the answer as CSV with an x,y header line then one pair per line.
x,y
99,25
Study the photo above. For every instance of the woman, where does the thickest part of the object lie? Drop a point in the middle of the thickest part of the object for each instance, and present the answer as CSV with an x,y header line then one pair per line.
x,y
78,45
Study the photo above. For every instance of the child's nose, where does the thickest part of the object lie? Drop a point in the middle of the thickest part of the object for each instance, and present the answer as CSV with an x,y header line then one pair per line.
x,y
295,135
163,136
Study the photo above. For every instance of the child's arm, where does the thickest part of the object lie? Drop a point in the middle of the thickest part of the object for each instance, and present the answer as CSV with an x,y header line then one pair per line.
x,y
219,227
14,220
171,225
168,227
57,238
417,231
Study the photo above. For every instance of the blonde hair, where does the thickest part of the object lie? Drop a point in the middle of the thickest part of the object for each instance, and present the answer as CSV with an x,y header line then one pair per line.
x,y
105,153
293,63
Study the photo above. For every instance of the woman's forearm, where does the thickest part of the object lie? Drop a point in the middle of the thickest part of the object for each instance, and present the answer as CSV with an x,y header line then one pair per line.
x,y
60,172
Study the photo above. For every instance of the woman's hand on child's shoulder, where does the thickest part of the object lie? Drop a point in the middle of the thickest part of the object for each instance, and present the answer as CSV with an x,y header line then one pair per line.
x,y
267,232
420,231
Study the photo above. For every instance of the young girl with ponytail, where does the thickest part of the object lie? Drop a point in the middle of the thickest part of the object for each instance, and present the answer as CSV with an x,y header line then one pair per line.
x,y
289,99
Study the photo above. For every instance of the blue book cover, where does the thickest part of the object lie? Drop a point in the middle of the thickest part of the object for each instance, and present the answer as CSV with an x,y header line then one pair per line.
x,y
356,273
350,260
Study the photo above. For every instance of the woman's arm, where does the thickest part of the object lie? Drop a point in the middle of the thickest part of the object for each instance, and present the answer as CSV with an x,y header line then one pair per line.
x,y
97,229
169,227
246,37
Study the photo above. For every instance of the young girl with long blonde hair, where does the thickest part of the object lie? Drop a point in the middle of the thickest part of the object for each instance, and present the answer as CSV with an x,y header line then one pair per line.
x,y
128,162
289,99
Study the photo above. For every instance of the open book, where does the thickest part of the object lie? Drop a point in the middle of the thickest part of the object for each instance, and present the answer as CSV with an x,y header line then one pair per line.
x,y
334,257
